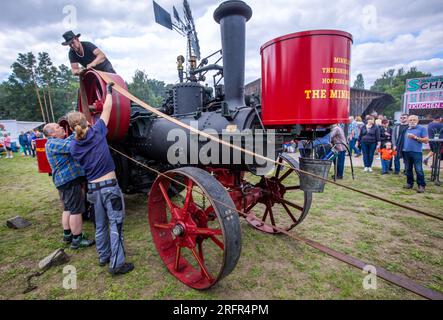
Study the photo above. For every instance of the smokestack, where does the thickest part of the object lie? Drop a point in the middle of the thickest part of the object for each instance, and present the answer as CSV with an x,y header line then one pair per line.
x,y
232,16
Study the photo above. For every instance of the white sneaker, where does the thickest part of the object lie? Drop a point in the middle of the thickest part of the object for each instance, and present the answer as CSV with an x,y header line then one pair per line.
x,y
370,169
365,169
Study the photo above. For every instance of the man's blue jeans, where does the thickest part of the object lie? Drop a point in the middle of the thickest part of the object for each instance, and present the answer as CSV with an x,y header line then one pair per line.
x,y
341,163
368,150
27,149
414,160
397,162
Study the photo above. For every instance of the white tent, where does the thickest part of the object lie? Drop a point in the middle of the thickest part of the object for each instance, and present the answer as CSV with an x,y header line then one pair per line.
x,y
14,127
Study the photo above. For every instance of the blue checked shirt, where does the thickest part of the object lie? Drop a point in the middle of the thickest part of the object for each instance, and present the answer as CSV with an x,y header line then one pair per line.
x,y
64,167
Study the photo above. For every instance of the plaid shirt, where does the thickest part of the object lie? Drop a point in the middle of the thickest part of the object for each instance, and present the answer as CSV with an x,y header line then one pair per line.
x,y
64,167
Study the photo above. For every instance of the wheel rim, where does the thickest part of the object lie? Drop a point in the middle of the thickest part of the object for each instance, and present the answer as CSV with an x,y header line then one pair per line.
x,y
197,237
283,204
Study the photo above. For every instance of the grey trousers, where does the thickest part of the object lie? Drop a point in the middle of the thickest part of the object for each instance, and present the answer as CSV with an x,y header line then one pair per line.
x,y
109,207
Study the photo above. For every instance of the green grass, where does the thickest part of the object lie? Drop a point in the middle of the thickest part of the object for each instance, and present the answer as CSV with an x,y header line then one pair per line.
x,y
270,267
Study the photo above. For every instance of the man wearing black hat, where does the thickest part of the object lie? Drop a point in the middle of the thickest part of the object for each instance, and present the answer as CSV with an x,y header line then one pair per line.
x,y
85,53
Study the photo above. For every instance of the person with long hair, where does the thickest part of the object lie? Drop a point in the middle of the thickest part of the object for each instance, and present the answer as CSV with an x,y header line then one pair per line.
x,y
369,139
91,150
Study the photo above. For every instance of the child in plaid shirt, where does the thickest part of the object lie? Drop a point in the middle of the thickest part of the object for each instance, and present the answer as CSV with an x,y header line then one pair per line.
x,y
387,153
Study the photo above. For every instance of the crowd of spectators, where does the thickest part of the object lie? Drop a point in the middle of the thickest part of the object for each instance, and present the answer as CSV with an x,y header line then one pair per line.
x,y
25,147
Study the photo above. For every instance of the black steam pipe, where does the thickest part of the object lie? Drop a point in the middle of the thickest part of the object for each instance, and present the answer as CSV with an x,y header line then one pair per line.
x,y
232,16
206,68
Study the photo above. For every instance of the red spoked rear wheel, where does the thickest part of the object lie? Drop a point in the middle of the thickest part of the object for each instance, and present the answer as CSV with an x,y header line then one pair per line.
x,y
283,204
196,232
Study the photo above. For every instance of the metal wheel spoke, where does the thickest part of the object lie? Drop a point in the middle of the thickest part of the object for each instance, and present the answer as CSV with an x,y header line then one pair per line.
x,y
265,215
251,207
292,188
200,250
279,166
271,215
289,212
188,198
165,195
177,258
296,206
287,173
167,226
202,266
217,242
206,232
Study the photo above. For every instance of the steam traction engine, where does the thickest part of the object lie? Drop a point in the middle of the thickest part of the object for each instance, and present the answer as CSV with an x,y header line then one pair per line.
x,y
193,206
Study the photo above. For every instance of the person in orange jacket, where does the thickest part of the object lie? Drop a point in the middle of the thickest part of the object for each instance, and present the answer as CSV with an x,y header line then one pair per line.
x,y
387,153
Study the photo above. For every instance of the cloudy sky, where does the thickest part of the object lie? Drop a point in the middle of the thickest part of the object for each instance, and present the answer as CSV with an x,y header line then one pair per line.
x,y
387,34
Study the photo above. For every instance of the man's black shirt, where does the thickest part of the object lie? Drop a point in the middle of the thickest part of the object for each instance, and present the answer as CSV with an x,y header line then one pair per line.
x,y
88,57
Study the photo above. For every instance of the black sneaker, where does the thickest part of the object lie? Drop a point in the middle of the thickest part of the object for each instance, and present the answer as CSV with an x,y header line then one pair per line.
x,y
103,263
81,242
67,238
127,267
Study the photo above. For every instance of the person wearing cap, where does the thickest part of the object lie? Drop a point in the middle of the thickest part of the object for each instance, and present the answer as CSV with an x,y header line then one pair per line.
x,y
86,53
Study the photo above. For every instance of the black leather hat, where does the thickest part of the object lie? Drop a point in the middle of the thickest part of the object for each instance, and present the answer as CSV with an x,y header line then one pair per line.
x,y
69,36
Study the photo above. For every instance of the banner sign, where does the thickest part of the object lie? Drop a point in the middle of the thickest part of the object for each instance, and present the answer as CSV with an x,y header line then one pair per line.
x,y
424,93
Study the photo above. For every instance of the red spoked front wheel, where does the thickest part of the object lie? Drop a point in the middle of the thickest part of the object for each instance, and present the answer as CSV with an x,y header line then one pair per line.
x,y
196,232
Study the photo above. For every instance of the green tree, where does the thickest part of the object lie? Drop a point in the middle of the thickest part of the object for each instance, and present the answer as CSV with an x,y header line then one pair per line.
x,y
148,90
22,99
394,84
32,81
46,78
359,83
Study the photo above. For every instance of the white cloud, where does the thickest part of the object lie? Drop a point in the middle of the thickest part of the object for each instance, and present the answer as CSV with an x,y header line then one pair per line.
x,y
387,34
372,59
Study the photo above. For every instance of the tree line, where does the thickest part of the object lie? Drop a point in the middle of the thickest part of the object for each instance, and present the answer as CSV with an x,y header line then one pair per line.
x,y
37,90
392,82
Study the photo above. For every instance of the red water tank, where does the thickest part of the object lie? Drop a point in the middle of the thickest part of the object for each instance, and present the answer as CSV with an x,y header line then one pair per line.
x,y
305,78
42,160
